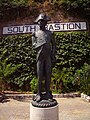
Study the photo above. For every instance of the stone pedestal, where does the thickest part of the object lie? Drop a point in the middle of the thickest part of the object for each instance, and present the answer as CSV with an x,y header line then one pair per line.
x,y
50,113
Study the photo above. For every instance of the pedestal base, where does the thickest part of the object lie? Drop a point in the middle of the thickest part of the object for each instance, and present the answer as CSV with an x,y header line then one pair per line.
x,y
50,113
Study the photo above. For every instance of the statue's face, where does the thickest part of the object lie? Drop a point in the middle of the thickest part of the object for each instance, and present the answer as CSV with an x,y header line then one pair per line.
x,y
42,23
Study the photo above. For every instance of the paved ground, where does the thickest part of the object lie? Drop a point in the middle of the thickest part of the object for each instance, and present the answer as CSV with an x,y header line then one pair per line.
x,y
69,109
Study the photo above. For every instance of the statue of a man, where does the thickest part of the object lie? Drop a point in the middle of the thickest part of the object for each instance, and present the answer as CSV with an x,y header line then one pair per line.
x,y
43,42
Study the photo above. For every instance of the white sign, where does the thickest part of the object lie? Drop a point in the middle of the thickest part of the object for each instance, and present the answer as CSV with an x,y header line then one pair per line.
x,y
20,29
56,27
67,26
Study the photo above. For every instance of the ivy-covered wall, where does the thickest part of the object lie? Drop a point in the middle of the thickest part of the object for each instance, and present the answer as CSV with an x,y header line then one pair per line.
x,y
73,50
18,50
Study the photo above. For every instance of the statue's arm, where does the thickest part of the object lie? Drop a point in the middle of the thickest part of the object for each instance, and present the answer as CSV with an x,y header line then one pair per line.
x,y
33,40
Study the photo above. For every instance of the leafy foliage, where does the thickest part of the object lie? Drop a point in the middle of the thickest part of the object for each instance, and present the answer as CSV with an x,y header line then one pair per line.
x,y
6,70
62,80
19,51
73,50
13,2
82,78
12,9
66,3
33,85
72,4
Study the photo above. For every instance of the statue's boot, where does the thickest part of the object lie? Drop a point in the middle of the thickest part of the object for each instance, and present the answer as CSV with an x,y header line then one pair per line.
x,y
37,98
49,96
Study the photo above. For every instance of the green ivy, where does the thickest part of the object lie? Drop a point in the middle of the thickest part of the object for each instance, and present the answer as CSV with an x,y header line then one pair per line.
x,y
19,51
82,78
72,4
73,50
13,2
33,84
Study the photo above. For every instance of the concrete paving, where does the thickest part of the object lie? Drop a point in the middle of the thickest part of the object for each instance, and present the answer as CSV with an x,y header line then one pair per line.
x,y
69,109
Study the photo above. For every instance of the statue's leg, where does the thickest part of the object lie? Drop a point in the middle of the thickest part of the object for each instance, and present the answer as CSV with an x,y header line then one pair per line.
x,y
40,75
48,77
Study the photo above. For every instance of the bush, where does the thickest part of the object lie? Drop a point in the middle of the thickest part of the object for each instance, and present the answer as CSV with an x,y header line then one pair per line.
x,y
73,50
33,85
72,4
82,78
13,2
6,71
62,80
19,51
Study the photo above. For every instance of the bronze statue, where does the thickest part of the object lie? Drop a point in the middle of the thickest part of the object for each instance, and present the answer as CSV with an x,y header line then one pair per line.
x,y
44,44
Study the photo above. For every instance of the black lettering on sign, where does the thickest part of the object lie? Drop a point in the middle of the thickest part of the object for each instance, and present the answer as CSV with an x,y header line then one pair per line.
x,y
15,29
51,27
57,26
63,26
71,25
10,30
67,26
33,27
27,28
21,29
77,26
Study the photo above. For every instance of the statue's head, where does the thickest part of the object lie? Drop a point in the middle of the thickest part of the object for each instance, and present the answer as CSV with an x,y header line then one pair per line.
x,y
42,17
42,20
